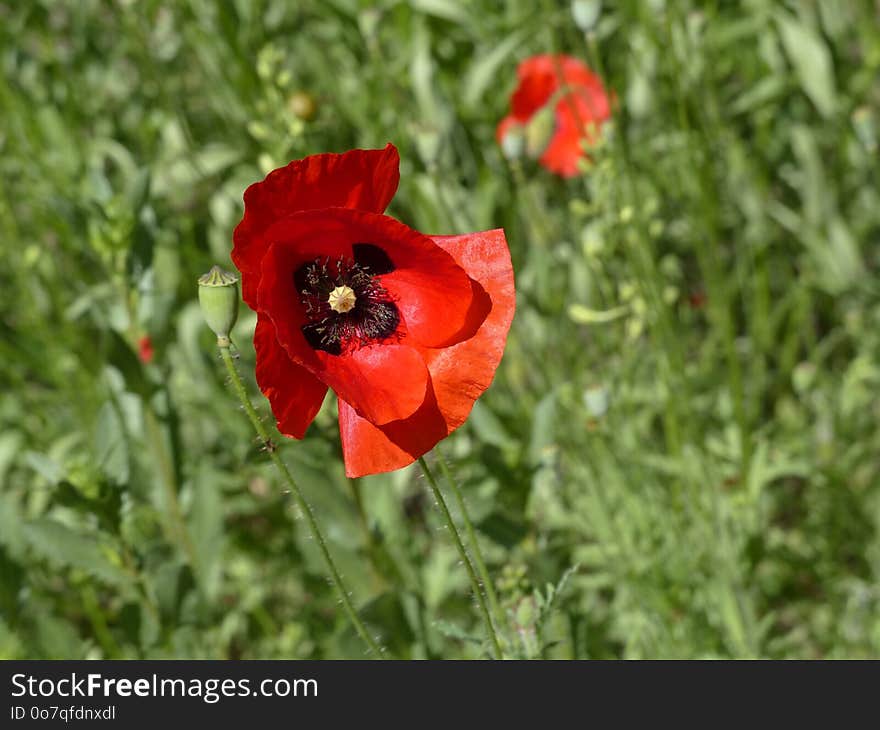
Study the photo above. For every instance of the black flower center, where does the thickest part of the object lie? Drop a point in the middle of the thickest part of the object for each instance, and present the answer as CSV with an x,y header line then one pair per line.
x,y
345,304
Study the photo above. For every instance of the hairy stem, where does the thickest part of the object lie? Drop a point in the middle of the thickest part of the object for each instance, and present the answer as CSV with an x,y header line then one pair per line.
x,y
475,583
263,433
472,537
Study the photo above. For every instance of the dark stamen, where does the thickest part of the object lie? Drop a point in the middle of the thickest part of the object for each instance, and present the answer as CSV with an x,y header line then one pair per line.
x,y
373,258
315,336
374,316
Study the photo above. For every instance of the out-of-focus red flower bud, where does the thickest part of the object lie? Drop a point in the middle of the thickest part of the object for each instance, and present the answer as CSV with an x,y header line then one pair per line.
x,y
145,350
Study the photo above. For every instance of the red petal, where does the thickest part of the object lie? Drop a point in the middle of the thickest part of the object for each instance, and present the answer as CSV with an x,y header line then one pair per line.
x,y
585,105
541,76
459,374
361,179
384,381
563,152
432,292
298,239
576,73
145,349
534,90
369,449
293,392
578,115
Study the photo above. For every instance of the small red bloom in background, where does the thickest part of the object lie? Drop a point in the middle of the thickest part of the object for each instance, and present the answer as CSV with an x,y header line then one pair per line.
x,y
407,329
145,350
557,104
697,299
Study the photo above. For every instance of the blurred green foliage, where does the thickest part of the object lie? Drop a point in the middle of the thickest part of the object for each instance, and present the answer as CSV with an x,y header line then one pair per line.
x,y
680,456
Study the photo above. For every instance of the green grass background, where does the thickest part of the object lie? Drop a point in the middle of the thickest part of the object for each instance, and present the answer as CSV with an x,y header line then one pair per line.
x,y
651,475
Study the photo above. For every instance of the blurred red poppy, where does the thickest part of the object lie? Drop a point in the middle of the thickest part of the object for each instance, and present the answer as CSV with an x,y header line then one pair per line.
x,y
697,299
145,350
558,104
407,329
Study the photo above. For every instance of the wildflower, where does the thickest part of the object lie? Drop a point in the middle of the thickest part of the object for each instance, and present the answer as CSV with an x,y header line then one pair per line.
x,y
407,329
558,105
145,350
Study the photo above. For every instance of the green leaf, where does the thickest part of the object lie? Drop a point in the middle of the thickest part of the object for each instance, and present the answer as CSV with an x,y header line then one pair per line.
x,y
501,529
387,610
543,427
454,631
422,73
10,444
813,184
811,60
46,467
488,426
758,95
56,637
66,547
446,9
484,71
584,315
111,444
138,190
10,525
10,644
206,519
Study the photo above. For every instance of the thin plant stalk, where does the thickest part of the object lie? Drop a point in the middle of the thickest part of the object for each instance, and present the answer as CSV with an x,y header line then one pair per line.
x,y
459,545
472,537
177,529
263,433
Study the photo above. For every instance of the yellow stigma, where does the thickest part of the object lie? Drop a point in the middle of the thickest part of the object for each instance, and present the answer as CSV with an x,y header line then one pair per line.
x,y
342,299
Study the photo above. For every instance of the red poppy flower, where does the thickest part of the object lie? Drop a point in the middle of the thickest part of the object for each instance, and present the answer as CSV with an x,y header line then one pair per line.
x,y
575,105
145,350
407,329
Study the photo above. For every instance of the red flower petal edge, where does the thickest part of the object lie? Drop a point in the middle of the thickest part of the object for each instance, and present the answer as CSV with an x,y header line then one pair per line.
x,y
359,179
458,374
293,392
407,329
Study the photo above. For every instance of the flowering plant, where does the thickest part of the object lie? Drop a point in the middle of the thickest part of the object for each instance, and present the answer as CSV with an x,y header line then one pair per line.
x,y
406,328
557,105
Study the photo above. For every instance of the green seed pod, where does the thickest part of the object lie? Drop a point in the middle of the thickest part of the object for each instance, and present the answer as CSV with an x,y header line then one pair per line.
x,y
218,297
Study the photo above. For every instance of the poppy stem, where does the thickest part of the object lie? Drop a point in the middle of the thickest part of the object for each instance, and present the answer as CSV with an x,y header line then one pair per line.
x,y
472,537
475,583
271,449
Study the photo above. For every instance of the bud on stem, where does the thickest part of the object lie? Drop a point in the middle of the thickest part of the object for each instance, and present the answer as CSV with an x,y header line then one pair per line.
x,y
218,298
513,142
586,13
